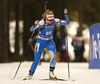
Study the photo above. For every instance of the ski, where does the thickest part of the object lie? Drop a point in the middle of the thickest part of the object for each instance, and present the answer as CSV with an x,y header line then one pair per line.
x,y
71,79
25,79
58,79
48,79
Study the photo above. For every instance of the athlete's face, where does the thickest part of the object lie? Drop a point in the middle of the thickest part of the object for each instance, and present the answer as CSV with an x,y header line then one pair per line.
x,y
50,21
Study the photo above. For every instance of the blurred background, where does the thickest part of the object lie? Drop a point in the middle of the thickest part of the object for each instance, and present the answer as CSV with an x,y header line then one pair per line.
x,y
17,16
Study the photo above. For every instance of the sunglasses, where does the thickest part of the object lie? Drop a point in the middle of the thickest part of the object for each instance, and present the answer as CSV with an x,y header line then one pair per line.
x,y
50,20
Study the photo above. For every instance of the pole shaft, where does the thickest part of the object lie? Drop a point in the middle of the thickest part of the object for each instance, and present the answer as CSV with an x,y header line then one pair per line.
x,y
67,55
22,57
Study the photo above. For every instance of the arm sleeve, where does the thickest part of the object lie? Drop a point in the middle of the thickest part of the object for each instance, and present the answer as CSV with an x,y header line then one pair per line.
x,y
40,25
67,19
63,22
32,28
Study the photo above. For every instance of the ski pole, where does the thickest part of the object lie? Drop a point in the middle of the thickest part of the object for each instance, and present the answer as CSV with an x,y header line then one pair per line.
x,y
66,40
31,46
67,55
22,57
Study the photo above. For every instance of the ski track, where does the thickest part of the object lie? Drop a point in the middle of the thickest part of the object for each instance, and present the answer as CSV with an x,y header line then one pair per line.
x,y
78,71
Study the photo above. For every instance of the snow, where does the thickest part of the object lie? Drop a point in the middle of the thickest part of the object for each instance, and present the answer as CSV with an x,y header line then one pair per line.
x,y
78,71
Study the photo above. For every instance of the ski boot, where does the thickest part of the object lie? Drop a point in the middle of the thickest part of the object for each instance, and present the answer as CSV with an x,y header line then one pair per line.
x,y
29,76
51,74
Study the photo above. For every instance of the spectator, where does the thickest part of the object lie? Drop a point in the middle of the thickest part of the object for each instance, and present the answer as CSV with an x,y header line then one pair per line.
x,y
78,44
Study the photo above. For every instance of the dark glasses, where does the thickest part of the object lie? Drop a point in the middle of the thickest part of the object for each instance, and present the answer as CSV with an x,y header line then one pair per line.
x,y
51,20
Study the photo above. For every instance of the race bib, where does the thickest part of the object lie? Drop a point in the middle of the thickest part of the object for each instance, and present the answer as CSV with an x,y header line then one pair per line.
x,y
37,47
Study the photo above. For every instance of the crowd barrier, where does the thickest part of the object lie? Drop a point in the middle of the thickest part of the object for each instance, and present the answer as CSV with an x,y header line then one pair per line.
x,y
94,46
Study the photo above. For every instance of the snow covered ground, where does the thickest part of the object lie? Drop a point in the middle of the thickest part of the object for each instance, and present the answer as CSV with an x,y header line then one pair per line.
x,y
78,71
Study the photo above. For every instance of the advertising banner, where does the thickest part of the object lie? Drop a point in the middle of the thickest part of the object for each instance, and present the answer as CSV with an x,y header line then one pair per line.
x,y
94,46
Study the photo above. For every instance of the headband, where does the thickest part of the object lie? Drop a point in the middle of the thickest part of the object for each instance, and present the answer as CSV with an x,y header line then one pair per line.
x,y
50,17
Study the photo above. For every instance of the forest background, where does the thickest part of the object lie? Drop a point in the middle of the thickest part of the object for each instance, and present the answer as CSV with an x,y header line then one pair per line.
x,y
84,12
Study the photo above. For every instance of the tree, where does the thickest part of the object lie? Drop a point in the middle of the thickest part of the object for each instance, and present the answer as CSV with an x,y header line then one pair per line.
x,y
3,31
17,29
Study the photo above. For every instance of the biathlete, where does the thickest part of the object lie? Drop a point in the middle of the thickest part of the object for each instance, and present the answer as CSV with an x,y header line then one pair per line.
x,y
45,40
35,38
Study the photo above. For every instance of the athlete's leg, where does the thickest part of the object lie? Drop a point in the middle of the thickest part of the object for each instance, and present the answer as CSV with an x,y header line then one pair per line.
x,y
39,46
52,50
53,58
38,50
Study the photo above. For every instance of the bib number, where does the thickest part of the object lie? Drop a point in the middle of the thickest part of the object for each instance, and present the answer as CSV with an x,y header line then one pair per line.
x,y
37,47
48,33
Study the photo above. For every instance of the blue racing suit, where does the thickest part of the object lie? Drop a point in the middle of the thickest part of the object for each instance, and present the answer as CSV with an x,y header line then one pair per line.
x,y
45,40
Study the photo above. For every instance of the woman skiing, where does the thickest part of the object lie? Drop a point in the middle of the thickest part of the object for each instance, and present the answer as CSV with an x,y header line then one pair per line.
x,y
45,40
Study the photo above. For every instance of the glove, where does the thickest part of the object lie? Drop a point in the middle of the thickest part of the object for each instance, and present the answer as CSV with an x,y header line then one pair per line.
x,y
30,40
65,11
36,22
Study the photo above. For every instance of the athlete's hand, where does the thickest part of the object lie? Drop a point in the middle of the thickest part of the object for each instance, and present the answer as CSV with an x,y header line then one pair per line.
x,y
65,11
36,22
30,40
